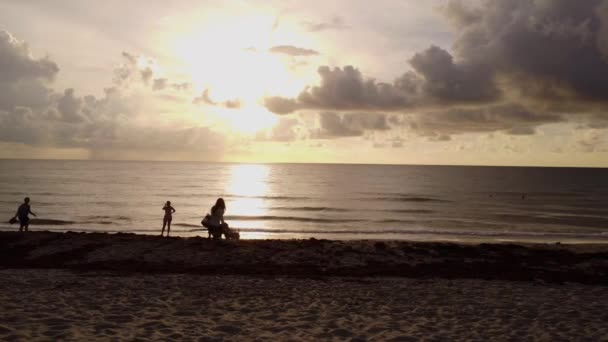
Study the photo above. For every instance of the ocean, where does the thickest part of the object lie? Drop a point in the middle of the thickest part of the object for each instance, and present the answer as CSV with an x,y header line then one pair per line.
x,y
324,201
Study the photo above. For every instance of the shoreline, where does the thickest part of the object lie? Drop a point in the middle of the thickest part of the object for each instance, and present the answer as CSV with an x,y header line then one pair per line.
x,y
447,236
311,258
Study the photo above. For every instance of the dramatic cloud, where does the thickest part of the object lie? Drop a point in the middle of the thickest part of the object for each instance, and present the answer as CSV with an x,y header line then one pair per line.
x,y
20,126
32,113
551,48
336,23
345,89
511,118
23,79
16,62
280,105
286,130
293,50
137,69
334,125
446,82
206,99
69,106
342,89
550,56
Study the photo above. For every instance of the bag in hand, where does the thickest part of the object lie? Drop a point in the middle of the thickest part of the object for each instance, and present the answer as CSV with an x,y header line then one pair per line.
x,y
205,221
12,220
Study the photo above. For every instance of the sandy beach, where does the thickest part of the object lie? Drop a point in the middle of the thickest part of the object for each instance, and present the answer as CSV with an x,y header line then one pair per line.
x,y
79,286
60,305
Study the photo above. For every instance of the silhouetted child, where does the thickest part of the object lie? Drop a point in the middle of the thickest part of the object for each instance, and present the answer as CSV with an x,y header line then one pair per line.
x,y
23,214
169,210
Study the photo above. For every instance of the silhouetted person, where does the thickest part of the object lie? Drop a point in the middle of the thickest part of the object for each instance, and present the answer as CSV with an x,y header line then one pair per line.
x,y
216,219
23,214
169,210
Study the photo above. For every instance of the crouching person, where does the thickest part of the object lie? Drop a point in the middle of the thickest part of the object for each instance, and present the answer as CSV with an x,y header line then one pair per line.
x,y
215,224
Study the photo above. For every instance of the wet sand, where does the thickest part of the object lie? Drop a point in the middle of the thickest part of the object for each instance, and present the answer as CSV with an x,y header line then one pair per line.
x,y
586,264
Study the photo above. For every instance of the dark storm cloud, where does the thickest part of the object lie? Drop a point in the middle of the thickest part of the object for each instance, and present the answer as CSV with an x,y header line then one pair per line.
x,y
333,125
551,56
446,82
342,89
280,105
555,44
460,15
293,50
439,80
511,118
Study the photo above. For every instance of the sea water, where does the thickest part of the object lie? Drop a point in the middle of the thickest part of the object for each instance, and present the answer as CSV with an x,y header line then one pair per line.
x,y
313,200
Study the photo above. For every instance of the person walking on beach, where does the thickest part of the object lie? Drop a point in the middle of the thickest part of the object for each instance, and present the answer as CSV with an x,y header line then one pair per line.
x,y
169,210
23,214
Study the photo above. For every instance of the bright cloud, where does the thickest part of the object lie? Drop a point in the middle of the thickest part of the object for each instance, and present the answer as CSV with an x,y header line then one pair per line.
x,y
348,81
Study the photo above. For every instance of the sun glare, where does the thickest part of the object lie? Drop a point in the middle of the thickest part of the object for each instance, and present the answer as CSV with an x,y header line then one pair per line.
x,y
231,58
247,186
249,120
228,56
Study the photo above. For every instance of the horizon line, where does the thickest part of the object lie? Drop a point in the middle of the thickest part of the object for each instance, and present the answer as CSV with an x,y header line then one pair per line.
x,y
297,163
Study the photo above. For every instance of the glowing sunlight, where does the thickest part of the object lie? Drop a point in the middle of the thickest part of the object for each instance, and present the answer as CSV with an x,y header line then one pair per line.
x,y
230,57
247,187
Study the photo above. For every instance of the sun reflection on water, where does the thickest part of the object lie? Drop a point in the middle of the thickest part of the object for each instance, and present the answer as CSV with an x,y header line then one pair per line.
x,y
247,187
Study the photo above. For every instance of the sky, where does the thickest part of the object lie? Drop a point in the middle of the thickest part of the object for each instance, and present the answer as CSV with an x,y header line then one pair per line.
x,y
477,82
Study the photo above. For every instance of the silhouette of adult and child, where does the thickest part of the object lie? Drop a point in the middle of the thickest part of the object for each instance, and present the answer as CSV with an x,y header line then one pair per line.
x,y
214,222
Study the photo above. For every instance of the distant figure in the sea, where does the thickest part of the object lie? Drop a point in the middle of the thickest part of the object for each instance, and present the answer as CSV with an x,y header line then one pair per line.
x,y
169,210
215,223
23,213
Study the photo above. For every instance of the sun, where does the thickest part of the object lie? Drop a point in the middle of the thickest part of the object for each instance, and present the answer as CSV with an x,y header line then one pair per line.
x,y
231,57
228,56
